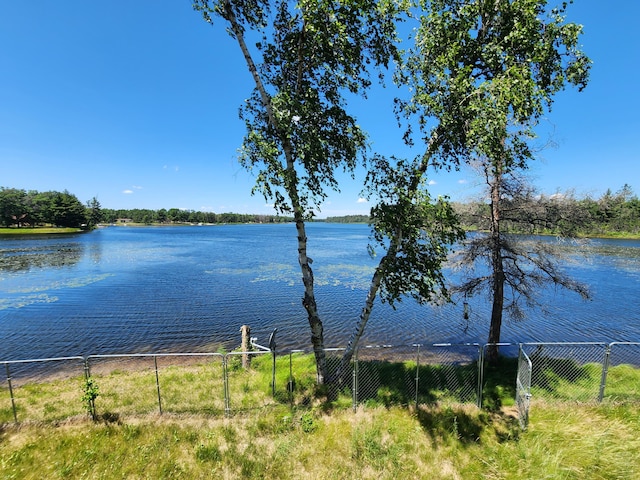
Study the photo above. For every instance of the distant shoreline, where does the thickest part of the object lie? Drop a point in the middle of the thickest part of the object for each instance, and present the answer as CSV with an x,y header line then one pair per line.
x,y
29,231
39,231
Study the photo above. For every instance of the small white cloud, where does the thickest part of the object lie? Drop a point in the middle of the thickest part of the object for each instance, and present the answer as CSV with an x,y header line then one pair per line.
x,y
362,200
127,192
137,187
432,182
463,181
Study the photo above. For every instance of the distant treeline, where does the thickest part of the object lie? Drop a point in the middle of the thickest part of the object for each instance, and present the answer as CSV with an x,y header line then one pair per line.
x,y
613,214
30,208
176,215
347,219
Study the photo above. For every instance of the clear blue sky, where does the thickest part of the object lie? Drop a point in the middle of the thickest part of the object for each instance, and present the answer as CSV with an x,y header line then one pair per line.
x,y
135,102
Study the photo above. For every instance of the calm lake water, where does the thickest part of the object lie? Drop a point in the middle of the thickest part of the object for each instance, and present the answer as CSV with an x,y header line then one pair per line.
x,y
125,290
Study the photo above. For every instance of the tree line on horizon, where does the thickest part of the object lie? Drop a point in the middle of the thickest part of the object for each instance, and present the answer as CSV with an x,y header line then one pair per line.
x,y
558,214
30,208
613,213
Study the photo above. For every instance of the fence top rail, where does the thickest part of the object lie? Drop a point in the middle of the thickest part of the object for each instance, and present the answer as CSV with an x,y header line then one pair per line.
x,y
34,360
566,344
251,352
624,343
178,354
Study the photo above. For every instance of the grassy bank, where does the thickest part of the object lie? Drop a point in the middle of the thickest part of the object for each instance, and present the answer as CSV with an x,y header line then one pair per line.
x,y
38,231
566,442
299,434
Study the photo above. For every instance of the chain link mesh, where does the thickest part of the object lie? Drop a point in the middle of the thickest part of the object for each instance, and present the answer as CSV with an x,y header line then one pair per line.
x,y
441,374
567,372
41,390
622,380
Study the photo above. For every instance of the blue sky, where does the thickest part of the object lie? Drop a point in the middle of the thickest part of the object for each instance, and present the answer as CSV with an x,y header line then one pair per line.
x,y
135,103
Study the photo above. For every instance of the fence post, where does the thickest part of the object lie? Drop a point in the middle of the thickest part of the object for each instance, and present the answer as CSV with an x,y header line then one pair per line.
x,y
225,383
417,345
246,346
480,373
605,370
13,402
290,382
155,364
354,381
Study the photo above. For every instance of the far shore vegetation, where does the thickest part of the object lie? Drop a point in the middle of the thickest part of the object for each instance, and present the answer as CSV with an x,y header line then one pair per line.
x,y
612,215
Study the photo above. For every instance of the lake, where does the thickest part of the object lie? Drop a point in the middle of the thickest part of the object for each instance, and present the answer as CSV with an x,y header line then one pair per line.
x,y
191,288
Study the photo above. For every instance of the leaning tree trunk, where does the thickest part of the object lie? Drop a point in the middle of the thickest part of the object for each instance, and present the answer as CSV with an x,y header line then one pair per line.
x,y
380,271
374,287
308,301
497,287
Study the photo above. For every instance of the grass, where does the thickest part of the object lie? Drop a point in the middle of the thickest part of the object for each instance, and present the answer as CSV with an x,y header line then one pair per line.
x,y
306,432
38,230
564,442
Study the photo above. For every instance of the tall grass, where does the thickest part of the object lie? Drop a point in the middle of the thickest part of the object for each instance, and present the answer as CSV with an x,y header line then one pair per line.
x,y
305,432
564,442
197,386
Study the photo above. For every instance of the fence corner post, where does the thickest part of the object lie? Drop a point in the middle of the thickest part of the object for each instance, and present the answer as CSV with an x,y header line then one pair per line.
x,y
605,370
417,384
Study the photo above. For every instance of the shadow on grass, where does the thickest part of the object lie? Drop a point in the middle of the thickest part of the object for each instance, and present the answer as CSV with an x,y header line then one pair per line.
x,y
548,372
467,425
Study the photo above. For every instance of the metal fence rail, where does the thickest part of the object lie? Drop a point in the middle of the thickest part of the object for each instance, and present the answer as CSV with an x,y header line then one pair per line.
x,y
566,371
412,375
175,382
620,359
523,388
46,379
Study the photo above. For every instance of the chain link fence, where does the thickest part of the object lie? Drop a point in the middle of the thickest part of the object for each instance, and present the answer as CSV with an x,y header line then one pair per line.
x,y
414,376
46,389
620,382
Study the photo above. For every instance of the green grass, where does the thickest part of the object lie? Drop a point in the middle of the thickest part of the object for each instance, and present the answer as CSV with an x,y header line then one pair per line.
x,y
305,432
564,442
37,230
196,387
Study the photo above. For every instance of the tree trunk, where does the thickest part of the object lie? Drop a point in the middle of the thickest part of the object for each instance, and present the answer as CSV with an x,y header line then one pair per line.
x,y
364,318
291,186
379,273
309,302
497,288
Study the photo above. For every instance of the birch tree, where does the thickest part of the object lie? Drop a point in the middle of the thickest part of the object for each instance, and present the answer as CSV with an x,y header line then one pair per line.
x,y
484,72
305,57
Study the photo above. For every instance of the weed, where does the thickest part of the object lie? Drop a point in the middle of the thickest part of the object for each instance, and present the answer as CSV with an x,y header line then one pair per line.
x,y
308,422
208,453
90,392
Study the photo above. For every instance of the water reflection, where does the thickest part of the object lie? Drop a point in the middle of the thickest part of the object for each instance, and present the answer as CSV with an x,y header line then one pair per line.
x,y
15,259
